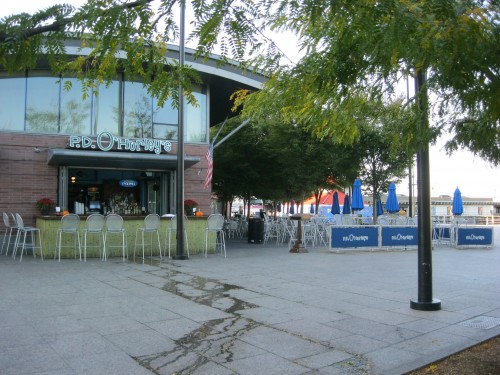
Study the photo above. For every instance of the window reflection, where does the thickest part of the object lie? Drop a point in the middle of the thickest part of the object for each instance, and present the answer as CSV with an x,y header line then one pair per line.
x,y
165,120
51,109
13,100
137,111
196,119
75,111
106,109
42,105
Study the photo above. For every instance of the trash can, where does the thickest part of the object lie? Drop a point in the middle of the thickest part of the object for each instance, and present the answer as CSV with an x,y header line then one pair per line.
x,y
255,230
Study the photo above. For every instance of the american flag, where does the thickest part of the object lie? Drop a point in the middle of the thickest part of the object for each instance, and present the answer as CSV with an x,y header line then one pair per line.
x,y
209,157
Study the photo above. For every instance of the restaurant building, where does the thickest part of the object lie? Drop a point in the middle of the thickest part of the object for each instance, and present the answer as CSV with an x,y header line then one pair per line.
x,y
111,152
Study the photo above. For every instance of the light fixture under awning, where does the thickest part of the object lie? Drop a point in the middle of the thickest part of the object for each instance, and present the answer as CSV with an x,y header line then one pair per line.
x,y
121,160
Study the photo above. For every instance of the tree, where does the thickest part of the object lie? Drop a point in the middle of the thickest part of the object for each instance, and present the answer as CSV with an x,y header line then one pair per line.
x,y
383,159
279,162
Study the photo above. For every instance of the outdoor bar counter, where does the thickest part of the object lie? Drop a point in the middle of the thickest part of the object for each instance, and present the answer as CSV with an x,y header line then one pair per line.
x,y
195,227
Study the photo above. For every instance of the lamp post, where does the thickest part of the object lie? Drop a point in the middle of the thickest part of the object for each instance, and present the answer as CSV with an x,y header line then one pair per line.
x,y
425,301
180,145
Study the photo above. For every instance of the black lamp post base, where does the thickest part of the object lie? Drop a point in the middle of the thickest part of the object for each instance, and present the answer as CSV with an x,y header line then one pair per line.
x,y
434,305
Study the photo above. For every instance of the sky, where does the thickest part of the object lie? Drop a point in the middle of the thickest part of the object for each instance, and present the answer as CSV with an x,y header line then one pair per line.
x,y
473,176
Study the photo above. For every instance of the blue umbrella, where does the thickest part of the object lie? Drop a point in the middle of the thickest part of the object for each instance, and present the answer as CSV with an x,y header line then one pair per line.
x,y
392,204
292,207
380,210
335,204
347,205
311,209
458,207
357,197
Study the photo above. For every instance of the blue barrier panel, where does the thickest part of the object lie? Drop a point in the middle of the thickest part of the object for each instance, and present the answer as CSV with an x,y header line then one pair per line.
x,y
399,236
474,236
354,237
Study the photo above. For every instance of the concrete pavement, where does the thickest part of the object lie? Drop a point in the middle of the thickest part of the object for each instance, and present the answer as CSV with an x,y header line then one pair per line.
x,y
261,310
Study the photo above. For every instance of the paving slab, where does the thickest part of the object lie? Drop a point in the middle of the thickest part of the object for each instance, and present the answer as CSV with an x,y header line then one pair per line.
x,y
260,310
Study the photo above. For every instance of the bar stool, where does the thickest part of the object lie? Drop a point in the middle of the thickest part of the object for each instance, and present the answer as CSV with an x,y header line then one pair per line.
x,y
9,228
24,231
93,226
151,224
215,224
173,228
114,226
69,227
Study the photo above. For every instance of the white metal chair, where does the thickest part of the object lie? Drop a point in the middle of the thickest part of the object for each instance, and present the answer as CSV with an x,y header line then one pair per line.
x,y
215,225
347,220
114,226
23,232
383,220
308,233
7,236
93,226
151,224
173,228
69,227
401,220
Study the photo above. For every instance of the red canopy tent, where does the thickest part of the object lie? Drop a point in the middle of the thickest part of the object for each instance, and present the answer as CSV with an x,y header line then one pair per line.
x,y
326,198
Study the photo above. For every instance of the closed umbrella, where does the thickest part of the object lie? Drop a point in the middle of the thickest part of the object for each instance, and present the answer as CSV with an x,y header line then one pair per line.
x,y
357,197
458,207
392,204
347,205
380,210
311,209
292,207
335,204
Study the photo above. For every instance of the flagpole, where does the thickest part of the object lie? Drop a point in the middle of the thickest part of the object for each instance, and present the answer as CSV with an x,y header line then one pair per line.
x,y
180,145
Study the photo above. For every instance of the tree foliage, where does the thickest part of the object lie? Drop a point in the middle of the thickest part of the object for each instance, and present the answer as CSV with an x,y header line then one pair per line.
x,y
355,53
384,160
279,162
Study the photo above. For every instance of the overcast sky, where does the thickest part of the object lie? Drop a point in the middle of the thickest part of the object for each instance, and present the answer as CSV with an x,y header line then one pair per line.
x,y
474,177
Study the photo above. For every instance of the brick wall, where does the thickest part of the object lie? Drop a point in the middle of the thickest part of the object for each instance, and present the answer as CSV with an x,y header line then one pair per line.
x,y
26,177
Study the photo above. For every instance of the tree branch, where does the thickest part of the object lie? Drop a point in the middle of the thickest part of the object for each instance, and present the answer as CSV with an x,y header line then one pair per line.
x,y
56,26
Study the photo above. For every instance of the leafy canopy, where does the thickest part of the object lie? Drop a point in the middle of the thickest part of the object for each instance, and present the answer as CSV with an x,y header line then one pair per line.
x,y
355,54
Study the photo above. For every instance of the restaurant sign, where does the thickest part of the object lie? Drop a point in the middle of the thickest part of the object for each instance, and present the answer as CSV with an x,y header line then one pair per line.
x,y
354,237
474,236
399,236
106,141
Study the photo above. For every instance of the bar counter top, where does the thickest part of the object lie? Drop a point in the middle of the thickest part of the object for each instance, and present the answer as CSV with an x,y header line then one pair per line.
x,y
195,228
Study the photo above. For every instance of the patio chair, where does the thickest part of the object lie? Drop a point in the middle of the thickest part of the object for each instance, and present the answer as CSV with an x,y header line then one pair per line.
x,y
69,227
151,224
173,229
93,226
215,226
114,227
23,231
7,236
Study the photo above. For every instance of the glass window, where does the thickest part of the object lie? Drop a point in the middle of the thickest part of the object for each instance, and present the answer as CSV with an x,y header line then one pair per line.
x,y
42,104
13,95
165,120
196,119
75,111
107,110
137,108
